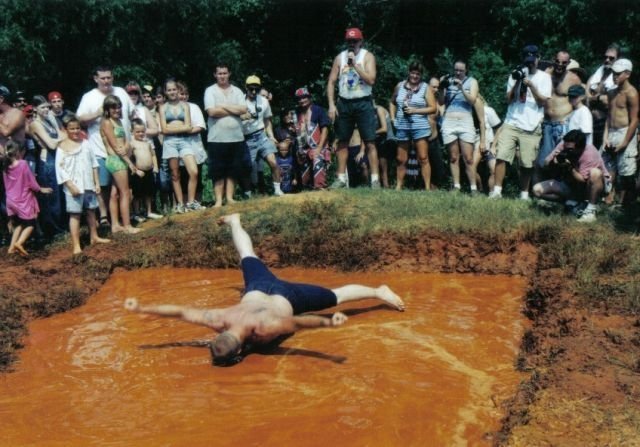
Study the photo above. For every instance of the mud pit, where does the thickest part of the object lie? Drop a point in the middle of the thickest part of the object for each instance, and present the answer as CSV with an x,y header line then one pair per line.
x,y
437,373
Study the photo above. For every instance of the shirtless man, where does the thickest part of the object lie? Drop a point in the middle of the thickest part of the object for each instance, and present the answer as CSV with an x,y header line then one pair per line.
x,y
12,125
620,145
269,308
557,108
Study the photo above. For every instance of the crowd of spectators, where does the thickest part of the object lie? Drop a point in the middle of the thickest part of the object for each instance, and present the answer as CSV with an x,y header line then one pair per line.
x,y
135,153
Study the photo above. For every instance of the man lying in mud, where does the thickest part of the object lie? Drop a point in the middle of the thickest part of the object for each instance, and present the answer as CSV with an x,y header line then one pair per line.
x,y
269,307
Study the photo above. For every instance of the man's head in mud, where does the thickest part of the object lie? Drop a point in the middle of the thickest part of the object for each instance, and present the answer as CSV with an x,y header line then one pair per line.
x,y
225,350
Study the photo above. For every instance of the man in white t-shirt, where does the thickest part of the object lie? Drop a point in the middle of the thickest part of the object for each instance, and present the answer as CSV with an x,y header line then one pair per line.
x,y
528,89
580,118
228,155
90,115
258,132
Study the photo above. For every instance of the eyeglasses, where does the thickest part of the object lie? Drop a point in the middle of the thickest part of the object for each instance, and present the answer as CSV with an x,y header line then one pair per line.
x,y
609,58
559,62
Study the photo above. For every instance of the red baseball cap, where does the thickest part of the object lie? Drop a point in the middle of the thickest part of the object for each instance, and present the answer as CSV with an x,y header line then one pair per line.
x,y
353,33
54,95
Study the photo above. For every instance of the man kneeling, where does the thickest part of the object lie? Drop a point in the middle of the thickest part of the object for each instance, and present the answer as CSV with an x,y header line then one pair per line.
x,y
580,174
269,307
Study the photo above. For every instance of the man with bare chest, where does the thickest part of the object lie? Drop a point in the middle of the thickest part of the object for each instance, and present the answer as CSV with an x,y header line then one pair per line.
x,y
270,307
12,126
557,108
620,144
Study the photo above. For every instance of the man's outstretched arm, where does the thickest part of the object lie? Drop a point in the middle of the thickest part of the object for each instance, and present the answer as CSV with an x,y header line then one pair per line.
x,y
207,317
300,322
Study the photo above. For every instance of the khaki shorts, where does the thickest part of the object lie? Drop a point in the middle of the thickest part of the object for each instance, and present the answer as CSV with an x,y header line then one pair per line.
x,y
623,163
511,138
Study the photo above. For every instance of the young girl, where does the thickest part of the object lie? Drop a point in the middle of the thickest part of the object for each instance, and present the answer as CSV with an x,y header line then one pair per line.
x,y
175,125
77,170
118,162
22,205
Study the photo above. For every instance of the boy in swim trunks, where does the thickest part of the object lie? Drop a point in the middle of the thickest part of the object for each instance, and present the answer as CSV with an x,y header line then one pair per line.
x,y
269,307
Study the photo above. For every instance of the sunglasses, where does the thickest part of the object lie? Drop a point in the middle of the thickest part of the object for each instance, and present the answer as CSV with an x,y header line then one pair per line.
x,y
609,58
561,62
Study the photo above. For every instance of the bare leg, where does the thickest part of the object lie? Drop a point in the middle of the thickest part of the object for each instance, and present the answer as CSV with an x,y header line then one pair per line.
x,y
230,189
355,292
24,235
74,229
15,235
93,229
401,168
218,191
241,239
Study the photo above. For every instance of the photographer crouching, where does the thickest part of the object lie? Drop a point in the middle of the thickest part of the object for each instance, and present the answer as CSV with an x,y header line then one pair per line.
x,y
580,174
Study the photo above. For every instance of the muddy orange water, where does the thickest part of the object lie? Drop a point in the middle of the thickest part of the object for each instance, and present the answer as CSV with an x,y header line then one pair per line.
x,y
431,376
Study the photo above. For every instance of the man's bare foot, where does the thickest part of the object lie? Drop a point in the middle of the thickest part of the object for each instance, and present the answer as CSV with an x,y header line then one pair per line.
x,y
21,250
229,219
218,205
116,229
131,230
386,294
100,240
131,304
231,201
77,250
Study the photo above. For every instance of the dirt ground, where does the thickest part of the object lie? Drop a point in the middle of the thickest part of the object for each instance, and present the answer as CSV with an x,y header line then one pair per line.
x,y
583,365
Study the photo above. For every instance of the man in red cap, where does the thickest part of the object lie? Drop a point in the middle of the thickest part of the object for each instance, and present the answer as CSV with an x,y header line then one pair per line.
x,y
57,107
355,71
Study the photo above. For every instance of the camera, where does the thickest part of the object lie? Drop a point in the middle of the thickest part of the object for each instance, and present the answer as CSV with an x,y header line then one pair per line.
x,y
520,72
446,81
562,157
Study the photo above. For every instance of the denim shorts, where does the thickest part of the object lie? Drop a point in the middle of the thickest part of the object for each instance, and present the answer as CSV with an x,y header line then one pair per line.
x,y
177,147
412,134
86,201
103,173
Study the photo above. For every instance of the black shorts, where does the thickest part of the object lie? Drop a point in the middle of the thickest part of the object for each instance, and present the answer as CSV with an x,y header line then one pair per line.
x,y
143,186
18,221
303,297
228,160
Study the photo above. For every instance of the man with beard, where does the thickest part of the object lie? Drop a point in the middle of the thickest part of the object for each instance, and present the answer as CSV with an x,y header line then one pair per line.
x,y
597,87
355,71
557,108
528,90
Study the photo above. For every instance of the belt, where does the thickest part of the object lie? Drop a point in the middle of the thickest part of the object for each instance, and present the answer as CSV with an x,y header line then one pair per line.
x,y
254,134
364,98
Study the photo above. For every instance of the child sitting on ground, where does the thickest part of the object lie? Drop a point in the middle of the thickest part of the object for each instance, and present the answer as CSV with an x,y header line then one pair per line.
x,y
77,170
144,157
20,188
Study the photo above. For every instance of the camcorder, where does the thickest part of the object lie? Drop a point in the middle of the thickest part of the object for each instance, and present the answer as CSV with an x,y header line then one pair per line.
x,y
520,72
446,81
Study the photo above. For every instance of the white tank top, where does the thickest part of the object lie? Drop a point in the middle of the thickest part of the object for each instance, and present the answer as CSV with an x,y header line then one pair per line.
x,y
350,85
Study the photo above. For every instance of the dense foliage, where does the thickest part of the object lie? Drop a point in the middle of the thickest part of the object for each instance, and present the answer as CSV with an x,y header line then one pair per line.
x,y
53,44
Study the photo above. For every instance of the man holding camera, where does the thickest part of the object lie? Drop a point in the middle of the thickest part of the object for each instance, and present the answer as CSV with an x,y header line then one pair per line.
x,y
557,108
355,71
527,92
258,132
581,174
619,140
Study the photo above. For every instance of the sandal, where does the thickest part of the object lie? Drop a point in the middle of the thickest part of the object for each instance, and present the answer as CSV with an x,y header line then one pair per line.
x,y
104,222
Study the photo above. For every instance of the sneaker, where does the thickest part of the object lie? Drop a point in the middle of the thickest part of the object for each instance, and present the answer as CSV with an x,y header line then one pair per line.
x,y
495,195
138,219
179,209
475,193
588,216
338,184
154,216
375,184
195,206
278,193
